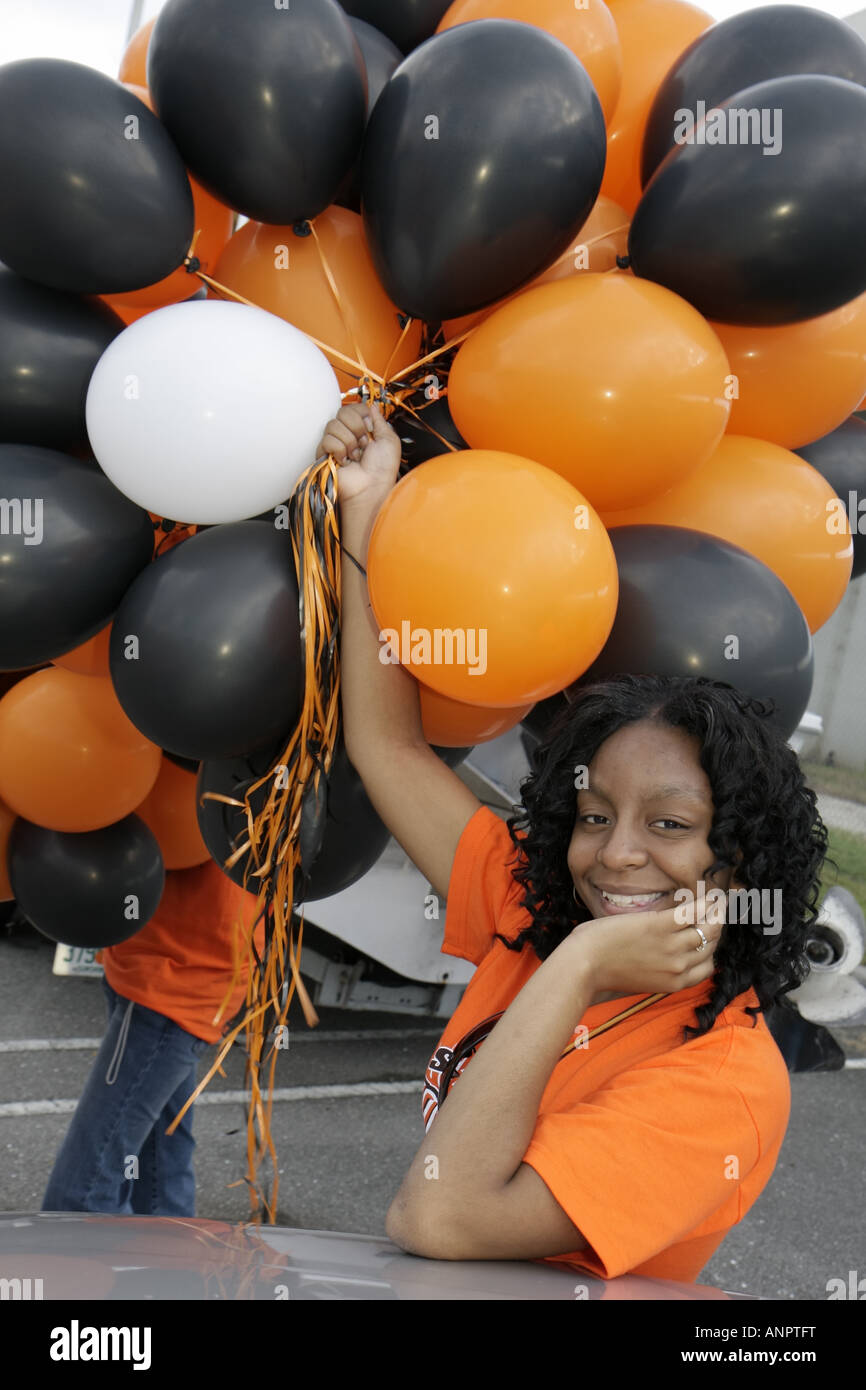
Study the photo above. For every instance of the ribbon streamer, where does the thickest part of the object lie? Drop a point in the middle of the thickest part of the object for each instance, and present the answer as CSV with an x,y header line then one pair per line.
x,y
295,787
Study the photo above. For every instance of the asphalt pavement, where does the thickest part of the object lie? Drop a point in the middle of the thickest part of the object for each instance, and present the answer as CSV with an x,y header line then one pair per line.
x,y
344,1144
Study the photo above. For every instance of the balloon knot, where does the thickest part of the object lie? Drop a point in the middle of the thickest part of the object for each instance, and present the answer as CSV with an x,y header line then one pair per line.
x,y
192,264
302,228
623,262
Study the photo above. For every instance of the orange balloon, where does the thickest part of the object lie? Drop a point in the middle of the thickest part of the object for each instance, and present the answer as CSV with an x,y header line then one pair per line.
x,y
798,382
10,678
452,724
7,819
128,312
91,658
492,579
652,35
589,31
133,64
610,380
602,238
213,227
284,273
170,811
773,504
69,757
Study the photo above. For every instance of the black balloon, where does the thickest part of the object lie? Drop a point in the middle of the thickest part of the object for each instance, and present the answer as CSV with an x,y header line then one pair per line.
x,y
216,671
451,757
352,835
94,888
70,547
683,597
540,718
764,239
381,57
49,344
483,156
266,103
840,457
97,200
417,438
406,23
773,41
341,835
188,764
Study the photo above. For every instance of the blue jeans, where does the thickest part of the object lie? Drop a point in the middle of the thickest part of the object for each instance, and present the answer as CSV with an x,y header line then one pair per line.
x,y
145,1071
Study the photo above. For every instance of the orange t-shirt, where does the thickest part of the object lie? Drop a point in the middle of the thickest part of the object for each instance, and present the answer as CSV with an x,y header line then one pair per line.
x,y
180,963
653,1147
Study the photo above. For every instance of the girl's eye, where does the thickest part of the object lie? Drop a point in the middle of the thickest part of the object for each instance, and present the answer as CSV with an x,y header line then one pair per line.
x,y
596,815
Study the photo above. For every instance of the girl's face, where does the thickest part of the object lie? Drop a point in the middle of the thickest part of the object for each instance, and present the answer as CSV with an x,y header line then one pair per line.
x,y
642,822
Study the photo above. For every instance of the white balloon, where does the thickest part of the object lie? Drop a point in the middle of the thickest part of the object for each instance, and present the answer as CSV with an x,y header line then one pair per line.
x,y
209,411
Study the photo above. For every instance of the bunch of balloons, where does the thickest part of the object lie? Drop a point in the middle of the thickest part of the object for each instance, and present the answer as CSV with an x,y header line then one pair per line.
x,y
602,264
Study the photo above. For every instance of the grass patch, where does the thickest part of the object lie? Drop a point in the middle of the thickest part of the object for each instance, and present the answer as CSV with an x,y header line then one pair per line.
x,y
849,852
847,782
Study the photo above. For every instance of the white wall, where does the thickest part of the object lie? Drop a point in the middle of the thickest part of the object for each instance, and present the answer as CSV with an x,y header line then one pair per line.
x,y
839,691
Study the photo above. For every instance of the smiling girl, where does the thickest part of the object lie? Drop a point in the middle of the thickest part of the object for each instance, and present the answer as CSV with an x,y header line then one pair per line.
x,y
621,1102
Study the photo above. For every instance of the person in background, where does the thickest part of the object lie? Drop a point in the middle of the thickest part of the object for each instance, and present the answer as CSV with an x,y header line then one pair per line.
x,y
163,987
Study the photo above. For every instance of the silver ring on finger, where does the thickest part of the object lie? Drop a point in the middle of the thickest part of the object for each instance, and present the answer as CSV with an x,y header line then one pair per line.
x,y
704,942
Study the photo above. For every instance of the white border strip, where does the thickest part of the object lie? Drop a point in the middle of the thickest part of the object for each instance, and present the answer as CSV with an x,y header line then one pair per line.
x,y
296,1035
284,1093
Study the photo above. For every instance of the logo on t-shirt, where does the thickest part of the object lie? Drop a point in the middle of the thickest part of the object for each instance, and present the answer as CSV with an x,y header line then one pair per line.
x,y
432,1077
442,1067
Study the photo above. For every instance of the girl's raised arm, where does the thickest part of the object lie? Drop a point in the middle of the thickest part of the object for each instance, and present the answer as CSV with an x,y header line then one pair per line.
x,y
423,803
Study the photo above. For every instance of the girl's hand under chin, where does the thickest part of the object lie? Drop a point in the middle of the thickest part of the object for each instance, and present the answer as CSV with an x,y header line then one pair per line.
x,y
648,952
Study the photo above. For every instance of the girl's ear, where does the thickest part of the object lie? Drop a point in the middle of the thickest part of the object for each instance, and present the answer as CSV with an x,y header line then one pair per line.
x,y
734,883
727,878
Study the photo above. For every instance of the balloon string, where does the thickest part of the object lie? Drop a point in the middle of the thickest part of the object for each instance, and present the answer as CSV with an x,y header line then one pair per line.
x,y
323,347
437,352
356,347
404,405
603,236
406,326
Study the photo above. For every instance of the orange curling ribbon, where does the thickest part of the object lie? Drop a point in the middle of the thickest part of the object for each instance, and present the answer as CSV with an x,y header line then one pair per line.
x,y
295,788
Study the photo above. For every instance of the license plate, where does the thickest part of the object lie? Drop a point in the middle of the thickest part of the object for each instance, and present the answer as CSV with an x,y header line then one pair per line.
x,y
76,960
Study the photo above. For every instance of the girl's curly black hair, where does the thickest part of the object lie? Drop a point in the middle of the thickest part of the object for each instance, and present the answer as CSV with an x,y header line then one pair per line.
x,y
762,808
